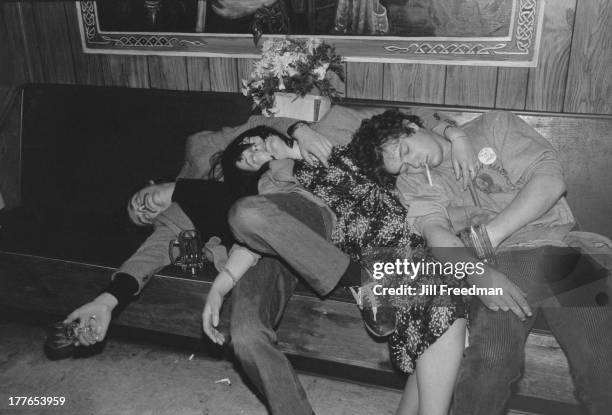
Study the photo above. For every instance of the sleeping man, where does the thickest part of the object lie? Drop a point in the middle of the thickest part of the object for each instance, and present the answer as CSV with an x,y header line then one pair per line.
x,y
520,182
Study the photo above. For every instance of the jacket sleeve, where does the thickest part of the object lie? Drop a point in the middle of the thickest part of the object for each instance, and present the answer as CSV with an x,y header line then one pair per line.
x,y
201,146
153,255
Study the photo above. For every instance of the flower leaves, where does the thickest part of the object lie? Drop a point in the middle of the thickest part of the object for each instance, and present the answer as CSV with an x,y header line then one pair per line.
x,y
293,65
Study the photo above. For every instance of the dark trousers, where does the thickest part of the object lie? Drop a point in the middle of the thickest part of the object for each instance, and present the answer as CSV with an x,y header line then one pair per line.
x,y
287,225
496,354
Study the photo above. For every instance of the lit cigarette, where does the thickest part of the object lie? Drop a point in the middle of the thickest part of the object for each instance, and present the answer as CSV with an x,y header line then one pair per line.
x,y
428,174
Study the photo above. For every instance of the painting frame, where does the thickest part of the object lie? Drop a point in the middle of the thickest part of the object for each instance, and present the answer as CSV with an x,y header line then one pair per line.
x,y
520,48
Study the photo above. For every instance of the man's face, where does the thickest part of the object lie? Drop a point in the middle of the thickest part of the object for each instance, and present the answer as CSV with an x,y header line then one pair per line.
x,y
146,204
409,154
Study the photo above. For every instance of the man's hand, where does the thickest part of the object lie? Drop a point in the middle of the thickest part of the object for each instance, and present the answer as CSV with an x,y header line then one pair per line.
x,y
313,146
96,314
465,160
210,316
513,298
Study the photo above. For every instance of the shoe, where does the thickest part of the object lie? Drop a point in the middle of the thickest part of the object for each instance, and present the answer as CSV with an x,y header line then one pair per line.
x,y
377,318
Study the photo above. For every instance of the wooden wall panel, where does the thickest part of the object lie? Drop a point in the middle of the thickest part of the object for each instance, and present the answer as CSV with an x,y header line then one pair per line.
x,y
470,86
223,75
22,14
17,61
168,72
88,66
198,74
44,45
54,45
547,81
6,68
511,88
414,83
125,70
243,70
589,83
364,80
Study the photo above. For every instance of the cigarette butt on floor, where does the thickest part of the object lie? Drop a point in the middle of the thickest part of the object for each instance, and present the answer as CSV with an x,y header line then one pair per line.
x,y
191,357
224,380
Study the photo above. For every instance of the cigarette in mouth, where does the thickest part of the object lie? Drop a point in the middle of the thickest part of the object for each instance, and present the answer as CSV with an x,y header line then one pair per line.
x,y
428,174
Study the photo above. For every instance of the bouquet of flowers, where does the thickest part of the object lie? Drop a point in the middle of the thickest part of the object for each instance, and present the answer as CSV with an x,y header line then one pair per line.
x,y
292,65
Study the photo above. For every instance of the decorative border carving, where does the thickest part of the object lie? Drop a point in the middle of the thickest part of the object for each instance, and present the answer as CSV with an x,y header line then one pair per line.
x,y
520,48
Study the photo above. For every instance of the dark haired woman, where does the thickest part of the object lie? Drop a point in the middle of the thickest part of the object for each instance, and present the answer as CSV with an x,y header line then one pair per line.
x,y
430,329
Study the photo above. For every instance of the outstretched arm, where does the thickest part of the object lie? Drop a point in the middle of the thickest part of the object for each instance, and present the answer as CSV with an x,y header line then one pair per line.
x,y
239,261
449,248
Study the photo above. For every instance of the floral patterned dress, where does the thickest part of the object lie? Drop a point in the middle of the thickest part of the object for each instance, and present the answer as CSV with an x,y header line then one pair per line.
x,y
371,226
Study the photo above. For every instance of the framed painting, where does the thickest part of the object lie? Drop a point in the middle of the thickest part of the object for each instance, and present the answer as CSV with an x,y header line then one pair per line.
x,y
451,32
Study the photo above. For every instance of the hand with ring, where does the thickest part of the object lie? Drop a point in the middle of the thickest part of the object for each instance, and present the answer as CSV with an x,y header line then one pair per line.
x,y
94,319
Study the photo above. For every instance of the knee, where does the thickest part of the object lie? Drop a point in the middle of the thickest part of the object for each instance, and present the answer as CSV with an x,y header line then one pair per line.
x,y
497,354
248,214
247,340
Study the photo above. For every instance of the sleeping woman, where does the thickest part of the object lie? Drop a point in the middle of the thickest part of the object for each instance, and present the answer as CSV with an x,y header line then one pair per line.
x,y
427,338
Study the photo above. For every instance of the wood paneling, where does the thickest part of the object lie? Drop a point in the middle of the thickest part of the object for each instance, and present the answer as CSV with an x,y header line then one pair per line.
x,y
198,74
168,72
470,86
13,50
243,70
43,45
547,80
88,67
125,70
589,83
20,22
52,31
223,75
511,88
414,83
364,80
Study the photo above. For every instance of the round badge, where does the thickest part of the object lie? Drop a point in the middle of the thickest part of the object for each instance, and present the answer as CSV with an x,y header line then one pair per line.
x,y
487,156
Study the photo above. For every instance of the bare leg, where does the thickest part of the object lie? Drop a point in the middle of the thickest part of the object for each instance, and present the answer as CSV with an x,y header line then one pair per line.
x,y
437,370
409,404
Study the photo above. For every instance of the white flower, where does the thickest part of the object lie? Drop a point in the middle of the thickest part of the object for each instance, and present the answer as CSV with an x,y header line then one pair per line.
x,y
320,71
311,44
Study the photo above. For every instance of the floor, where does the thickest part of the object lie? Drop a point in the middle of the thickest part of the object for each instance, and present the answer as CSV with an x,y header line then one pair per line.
x,y
133,377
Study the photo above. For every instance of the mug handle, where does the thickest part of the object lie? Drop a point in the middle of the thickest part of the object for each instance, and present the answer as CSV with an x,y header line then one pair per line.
x,y
173,244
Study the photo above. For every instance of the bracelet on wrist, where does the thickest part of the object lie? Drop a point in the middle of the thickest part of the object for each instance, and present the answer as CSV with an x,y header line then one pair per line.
x,y
293,127
231,275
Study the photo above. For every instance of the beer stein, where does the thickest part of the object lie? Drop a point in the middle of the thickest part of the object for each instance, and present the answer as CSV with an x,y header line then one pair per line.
x,y
189,247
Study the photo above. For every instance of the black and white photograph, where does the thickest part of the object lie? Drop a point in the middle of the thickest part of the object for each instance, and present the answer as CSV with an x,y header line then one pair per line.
x,y
298,207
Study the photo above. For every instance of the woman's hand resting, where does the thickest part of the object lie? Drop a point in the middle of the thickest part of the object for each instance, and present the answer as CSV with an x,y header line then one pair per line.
x,y
210,316
96,314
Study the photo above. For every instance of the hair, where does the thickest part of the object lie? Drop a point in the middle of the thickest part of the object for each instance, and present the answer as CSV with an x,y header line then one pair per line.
x,y
223,163
373,134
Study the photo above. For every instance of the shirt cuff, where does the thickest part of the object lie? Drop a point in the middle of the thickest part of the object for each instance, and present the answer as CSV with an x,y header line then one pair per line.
x,y
123,287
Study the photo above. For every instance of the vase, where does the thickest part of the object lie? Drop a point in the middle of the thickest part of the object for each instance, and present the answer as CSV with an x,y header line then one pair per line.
x,y
307,108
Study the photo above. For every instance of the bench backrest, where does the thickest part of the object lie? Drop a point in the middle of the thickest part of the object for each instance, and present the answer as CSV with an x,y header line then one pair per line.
x,y
84,149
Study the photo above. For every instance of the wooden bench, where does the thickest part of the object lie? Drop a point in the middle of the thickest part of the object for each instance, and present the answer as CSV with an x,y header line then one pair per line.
x,y
324,337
